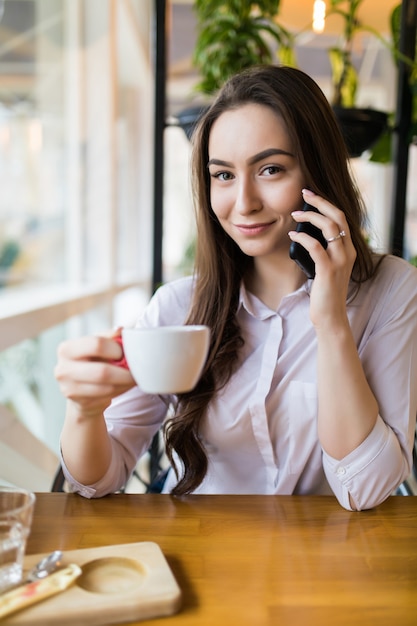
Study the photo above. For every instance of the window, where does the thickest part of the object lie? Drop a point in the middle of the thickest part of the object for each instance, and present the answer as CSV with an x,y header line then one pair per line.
x,y
76,169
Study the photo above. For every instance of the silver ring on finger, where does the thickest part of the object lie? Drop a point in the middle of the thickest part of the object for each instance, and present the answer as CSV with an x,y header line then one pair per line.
x,y
339,236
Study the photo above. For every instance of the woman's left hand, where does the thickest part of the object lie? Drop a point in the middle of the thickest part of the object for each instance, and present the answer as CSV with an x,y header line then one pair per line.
x,y
333,264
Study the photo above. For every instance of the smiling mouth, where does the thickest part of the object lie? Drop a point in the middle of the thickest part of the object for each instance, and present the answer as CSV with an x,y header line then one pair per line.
x,y
253,229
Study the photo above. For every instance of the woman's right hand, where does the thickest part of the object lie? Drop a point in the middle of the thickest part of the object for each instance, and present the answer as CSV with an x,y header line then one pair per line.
x,y
88,373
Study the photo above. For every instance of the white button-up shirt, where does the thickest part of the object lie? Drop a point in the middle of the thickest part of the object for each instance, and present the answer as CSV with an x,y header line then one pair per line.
x,y
260,432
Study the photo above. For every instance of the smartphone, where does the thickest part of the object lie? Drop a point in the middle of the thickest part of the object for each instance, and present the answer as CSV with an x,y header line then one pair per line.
x,y
298,253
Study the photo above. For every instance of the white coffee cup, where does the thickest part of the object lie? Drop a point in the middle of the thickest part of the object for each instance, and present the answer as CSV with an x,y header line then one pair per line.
x,y
166,359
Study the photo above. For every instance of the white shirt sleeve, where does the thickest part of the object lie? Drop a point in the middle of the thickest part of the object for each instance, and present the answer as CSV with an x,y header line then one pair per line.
x,y
365,477
388,352
134,417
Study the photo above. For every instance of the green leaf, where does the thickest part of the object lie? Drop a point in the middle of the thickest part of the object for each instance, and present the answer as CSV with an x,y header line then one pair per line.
x,y
234,35
395,23
344,78
286,55
382,150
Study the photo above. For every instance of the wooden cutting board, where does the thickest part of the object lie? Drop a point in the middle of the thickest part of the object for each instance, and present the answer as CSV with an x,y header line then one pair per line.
x,y
119,583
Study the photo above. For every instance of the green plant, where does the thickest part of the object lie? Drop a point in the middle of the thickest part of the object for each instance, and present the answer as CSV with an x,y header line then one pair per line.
x,y
9,253
382,150
411,63
236,34
344,74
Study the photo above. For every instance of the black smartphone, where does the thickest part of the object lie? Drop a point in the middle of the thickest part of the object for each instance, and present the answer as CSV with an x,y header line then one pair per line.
x,y
298,253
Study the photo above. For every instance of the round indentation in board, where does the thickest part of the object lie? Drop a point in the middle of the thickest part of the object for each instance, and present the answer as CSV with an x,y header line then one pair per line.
x,y
111,575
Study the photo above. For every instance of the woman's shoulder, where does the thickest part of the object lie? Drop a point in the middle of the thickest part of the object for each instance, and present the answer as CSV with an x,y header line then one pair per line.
x,y
176,290
393,286
395,272
391,294
170,303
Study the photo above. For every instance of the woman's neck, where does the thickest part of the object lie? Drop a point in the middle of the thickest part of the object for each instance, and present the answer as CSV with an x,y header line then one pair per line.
x,y
271,279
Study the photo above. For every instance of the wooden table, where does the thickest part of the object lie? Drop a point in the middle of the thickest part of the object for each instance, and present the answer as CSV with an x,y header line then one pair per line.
x,y
257,560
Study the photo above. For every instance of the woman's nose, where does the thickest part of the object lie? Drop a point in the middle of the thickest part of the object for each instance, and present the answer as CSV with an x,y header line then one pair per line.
x,y
247,199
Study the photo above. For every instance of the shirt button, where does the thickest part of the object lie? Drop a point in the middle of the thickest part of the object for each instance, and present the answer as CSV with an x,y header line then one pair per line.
x,y
341,471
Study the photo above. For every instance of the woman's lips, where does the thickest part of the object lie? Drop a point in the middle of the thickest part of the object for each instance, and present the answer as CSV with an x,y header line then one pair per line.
x,y
253,229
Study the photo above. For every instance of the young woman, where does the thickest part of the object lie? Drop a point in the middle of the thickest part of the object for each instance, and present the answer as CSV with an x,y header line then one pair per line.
x,y
310,384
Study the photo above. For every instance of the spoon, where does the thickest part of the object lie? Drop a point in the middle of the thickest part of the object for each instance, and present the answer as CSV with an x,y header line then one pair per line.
x,y
46,566
39,589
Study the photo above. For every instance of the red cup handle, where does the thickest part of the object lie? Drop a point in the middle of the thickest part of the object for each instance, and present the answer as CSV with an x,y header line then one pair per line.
x,y
120,362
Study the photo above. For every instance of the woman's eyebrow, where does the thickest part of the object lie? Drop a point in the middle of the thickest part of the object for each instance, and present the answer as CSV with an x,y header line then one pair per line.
x,y
255,159
219,162
267,153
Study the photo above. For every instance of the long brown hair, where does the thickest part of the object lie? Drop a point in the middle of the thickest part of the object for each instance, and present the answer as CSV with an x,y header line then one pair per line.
x,y
220,265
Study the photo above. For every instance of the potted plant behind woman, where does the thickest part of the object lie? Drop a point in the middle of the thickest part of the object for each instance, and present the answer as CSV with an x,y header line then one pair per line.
x,y
233,35
236,34
382,150
361,127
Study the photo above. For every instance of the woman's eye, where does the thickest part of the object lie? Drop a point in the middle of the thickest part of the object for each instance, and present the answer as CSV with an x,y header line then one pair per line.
x,y
222,175
270,170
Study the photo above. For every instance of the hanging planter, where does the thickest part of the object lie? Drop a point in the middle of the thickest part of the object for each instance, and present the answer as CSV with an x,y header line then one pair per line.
x,y
235,35
188,118
361,128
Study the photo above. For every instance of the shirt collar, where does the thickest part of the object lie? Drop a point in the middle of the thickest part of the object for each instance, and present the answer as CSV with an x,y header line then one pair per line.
x,y
258,309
